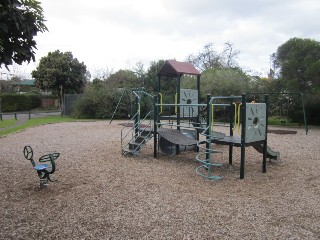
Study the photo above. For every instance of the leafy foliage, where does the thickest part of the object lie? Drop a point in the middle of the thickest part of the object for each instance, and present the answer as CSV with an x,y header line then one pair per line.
x,y
209,58
123,79
19,102
224,82
20,21
299,63
60,73
151,75
99,101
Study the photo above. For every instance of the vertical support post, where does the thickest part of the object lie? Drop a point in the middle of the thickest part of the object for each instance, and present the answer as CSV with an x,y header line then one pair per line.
x,y
178,100
137,118
265,142
199,101
158,85
29,114
231,129
304,114
155,126
1,117
243,135
15,116
178,108
208,132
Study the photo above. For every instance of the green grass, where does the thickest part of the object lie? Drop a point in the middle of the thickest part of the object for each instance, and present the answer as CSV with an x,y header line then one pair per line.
x,y
7,123
280,121
32,123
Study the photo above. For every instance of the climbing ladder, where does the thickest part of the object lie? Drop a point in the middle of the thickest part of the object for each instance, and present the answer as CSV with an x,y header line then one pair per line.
x,y
206,158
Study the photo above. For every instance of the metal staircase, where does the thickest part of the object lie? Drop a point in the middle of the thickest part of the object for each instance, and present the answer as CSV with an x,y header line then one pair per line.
x,y
134,135
137,132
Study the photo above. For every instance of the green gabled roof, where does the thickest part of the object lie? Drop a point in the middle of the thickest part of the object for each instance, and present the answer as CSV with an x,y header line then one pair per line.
x,y
26,82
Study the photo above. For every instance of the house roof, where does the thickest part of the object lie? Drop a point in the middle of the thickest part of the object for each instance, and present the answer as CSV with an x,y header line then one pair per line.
x,y
173,68
26,82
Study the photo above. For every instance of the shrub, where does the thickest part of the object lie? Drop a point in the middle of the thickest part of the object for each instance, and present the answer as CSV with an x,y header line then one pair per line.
x,y
19,102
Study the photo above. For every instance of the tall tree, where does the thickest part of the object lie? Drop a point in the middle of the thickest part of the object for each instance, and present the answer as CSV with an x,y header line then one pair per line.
x,y
61,73
151,75
298,60
208,57
224,82
123,79
20,21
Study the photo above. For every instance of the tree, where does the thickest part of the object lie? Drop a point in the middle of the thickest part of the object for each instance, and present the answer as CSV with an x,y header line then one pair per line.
x,y
224,82
298,60
60,73
20,21
123,79
209,58
151,75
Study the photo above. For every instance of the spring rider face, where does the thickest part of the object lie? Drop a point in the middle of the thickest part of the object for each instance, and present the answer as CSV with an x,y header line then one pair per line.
x,y
43,170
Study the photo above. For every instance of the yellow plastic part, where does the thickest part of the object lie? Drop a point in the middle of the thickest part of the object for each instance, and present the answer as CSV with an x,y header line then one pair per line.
x,y
237,112
160,103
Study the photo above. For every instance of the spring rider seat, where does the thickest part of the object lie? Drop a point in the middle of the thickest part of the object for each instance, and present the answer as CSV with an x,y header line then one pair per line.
x,y
44,170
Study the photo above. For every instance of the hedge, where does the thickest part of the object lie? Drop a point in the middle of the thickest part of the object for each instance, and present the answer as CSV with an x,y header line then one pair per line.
x,y
19,102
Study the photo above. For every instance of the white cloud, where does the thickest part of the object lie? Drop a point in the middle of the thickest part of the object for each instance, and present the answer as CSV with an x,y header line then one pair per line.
x,y
120,33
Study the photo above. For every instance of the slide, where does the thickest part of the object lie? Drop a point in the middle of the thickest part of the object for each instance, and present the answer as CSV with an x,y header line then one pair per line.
x,y
270,153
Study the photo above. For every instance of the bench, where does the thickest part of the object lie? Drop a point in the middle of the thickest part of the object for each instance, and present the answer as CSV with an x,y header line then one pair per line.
x,y
44,170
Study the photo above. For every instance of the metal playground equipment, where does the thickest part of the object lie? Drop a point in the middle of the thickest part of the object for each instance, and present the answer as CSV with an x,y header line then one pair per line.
x,y
43,170
182,130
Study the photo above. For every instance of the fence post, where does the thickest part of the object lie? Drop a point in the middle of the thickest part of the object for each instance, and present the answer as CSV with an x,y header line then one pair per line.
x,y
15,116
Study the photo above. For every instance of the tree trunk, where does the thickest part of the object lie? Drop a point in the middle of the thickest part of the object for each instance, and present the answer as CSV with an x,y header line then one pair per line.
x,y
61,95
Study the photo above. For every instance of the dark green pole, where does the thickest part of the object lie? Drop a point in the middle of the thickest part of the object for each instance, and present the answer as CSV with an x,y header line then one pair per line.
x,y
155,128
178,100
265,142
231,129
208,128
243,135
158,85
199,101
137,118
178,108
304,114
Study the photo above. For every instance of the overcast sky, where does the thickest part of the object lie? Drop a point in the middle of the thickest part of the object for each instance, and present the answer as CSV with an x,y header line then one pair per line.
x,y
116,34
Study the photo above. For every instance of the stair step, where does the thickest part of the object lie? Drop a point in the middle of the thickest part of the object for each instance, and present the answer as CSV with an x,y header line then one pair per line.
x,y
141,139
128,151
134,146
146,132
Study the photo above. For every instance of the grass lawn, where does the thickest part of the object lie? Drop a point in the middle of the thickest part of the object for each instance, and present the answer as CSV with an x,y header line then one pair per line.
x,y
7,123
31,123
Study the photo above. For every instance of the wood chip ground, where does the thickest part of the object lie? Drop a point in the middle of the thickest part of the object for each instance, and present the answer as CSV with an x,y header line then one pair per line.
x,y
103,195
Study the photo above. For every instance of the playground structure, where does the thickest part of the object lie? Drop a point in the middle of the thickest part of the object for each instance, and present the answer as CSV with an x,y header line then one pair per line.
x,y
183,127
43,170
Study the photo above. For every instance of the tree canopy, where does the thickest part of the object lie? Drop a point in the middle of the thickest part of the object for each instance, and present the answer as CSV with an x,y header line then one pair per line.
x,y
209,58
123,79
20,21
299,63
60,73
